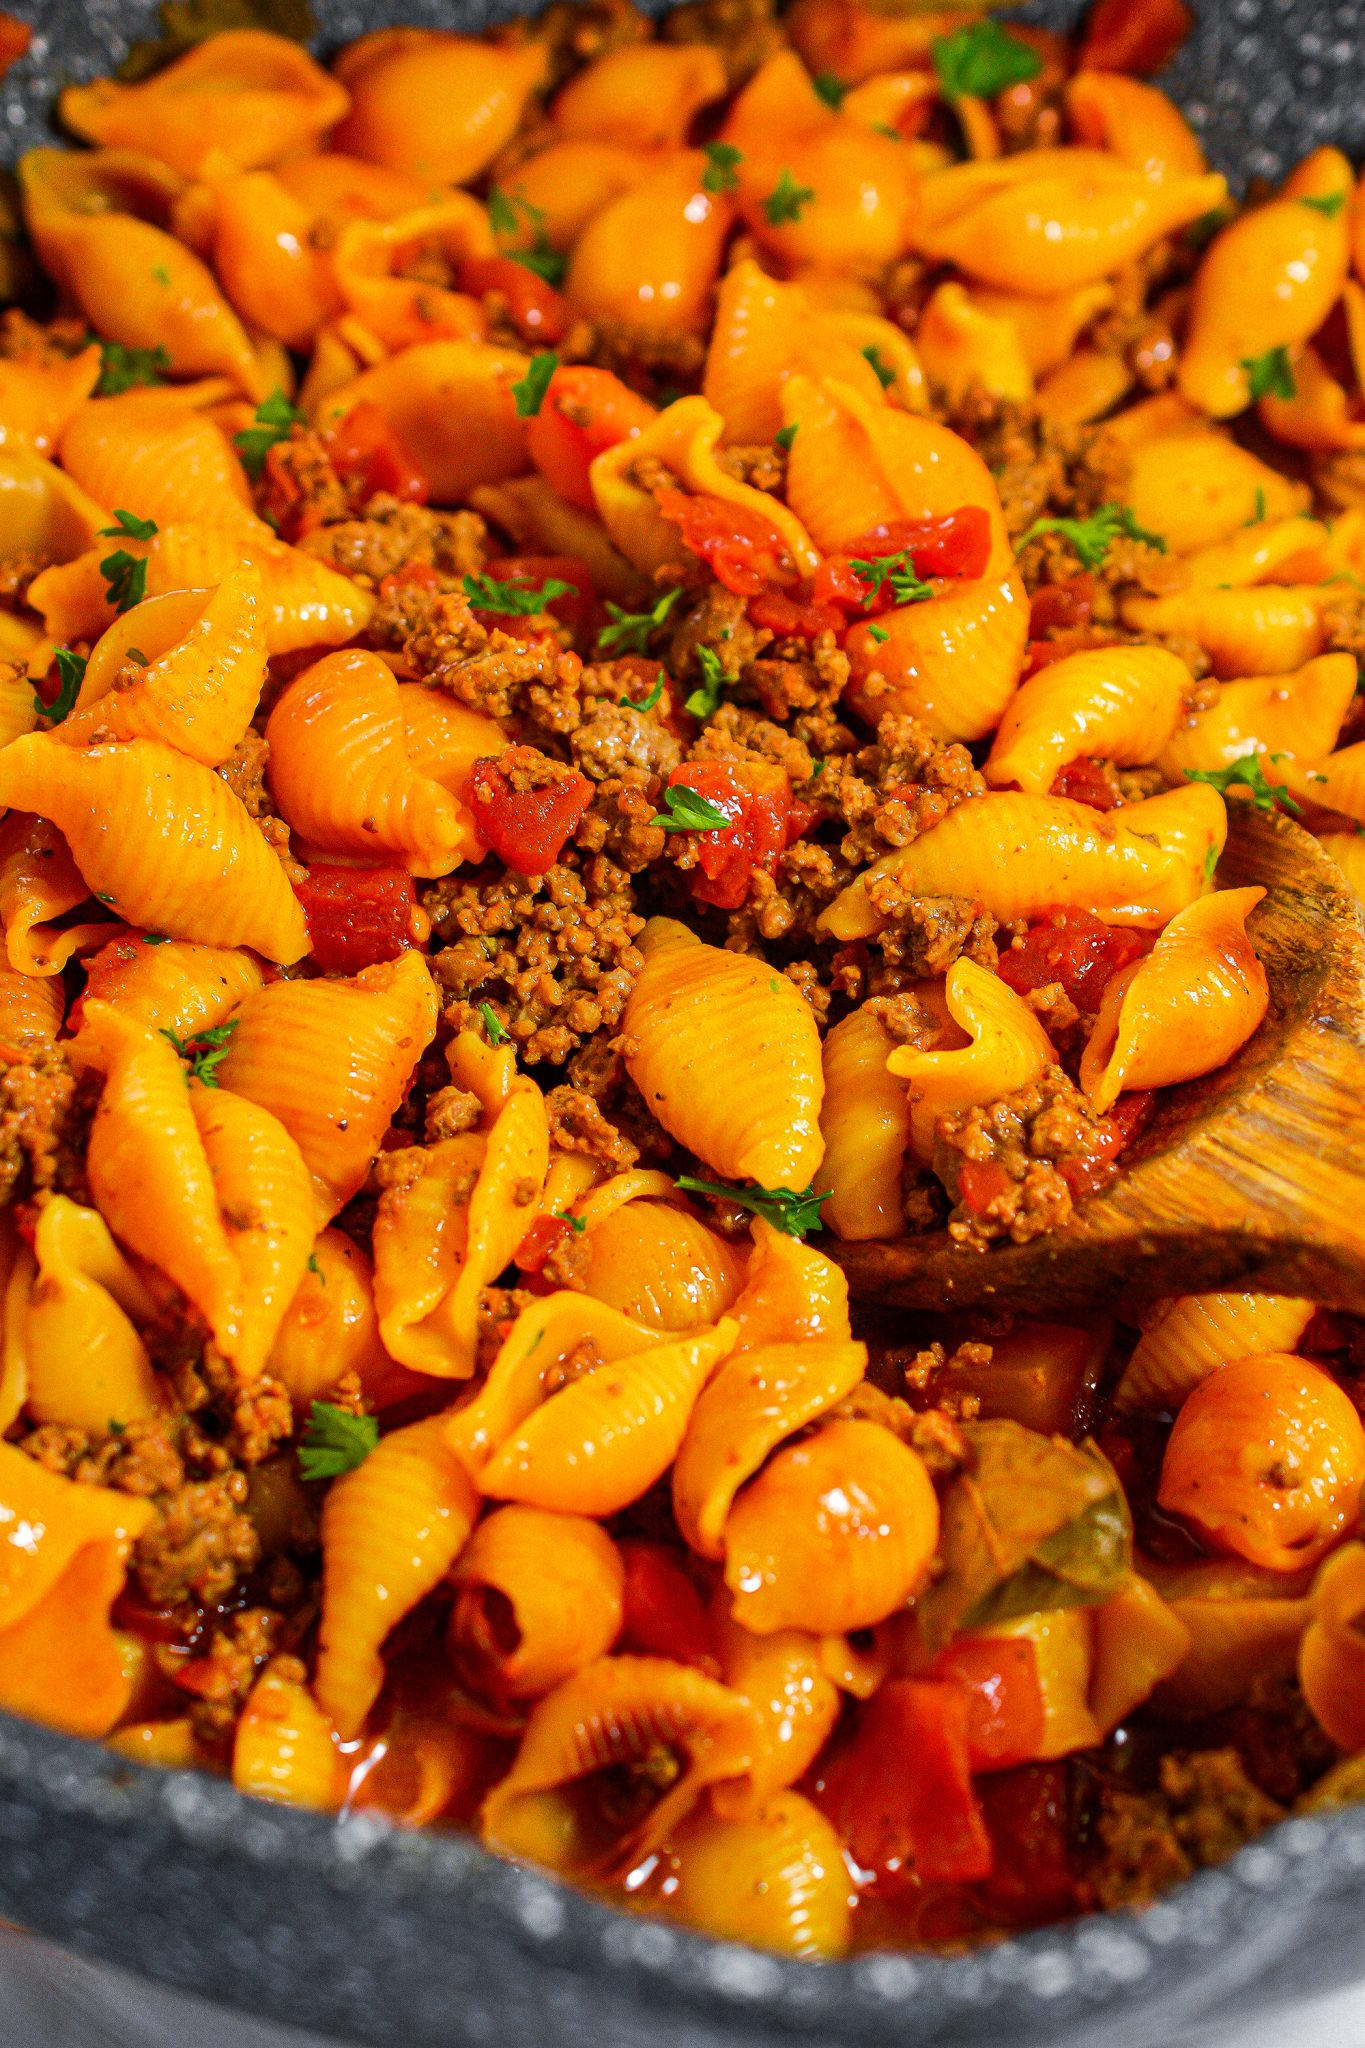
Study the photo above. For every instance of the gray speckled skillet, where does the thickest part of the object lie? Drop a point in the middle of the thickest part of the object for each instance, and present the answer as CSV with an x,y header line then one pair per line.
x,y
428,1942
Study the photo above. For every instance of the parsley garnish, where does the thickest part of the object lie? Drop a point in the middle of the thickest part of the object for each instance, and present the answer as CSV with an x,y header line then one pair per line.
x,y
981,61
722,167
1248,773
1257,508
510,600
784,1208
161,275
831,88
878,633
578,1224
529,392
205,1050
784,436
787,200
629,632
689,811
1270,375
154,938
335,1441
125,578
124,369
70,676
274,421
645,703
898,572
1328,204
128,527
1211,861
505,213
315,1269
496,1034
886,376
705,702
1092,538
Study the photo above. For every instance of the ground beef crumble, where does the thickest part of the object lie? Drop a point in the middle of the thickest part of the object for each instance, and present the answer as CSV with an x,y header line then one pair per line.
x,y
1031,1135
1202,1810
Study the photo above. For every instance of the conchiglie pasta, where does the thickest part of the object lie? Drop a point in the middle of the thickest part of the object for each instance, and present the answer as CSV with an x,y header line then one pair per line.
x,y
1008,1050
285,1747
39,882
1184,1010
774,1878
269,1209
660,1266
962,344
62,1662
790,1292
37,399
1135,122
87,1364
1122,703
754,1114
196,868
537,1595
796,1702
436,106
1299,713
172,985
330,1329
156,455
640,95
453,401
649,260
1272,627
865,1123
371,265
260,239
1190,1336
1196,487
763,332
31,1012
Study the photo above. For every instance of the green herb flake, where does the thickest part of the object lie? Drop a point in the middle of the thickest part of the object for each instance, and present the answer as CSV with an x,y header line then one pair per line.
x,y
126,369
1248,773
722,167
897,573
1258,512
70,676
204,1050
1092,538
1329,204
161,276
787,200
578,1224
101,897
688,811
510,215
1210,862
791,1211
125,579
128,527
335,1441
154,938
981,61
496,1034
645,703
315,1269
784,437
629,632
513,600
831,88
704,703
529,391
885,375
878,633
275,420
1270,375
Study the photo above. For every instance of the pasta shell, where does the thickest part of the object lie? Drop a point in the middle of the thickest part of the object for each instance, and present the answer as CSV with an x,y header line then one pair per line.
x,y
765,331
775,1879
567,183
1048,327
241,98
791,1292
31,1012
285,1748
661,1266
962,344
39,882
1138,124
391,1529
797,1705
616,1718
196,868
87,1365
43,511
1235,1643
1199,487
62,1517
1009,1050
538,1595
1347,849
756,1400
865,1123
689,999
147,1168
156,455
1193,1333
1272,627
1138,866
1186,1008
452,400
269,1211
1062,1640
541,522
835,1533
332,1059
371,264
330,1329
649,260
436,106
1299,713
63,1663
1122,703
1334,783
535,1359
37,399
1138,1640
173,986
420,1238
640,94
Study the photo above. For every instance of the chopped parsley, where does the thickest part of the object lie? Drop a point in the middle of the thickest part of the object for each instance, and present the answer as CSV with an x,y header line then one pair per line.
x,y
787,200
981,61
512,600
831,88
335,1441
154,938
315,1269
704,703
1270,375
1247,773
878,633
161,276
529,391
70,676
125,579
787,1210
128,526
496,1034
722,167
205,1050
578,1224
689,811
885,375
1257,507
506,212
897,573
275,420
645,703
629,632
1327,203
1092,538
784,436
125,369
1211,861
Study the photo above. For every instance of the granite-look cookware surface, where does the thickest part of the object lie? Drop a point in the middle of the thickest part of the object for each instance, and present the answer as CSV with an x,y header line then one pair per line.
x,y
426,1941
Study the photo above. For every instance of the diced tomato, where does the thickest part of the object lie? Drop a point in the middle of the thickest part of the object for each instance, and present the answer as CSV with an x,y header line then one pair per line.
x,y
957,545
1077,949
1087,781
900,1793
738,545
544,1236
1026,1812
979,1181
364,446
532,572
1004,1704
15,37
663,1614
756,798
133,1611
1126,1120
1133,35
584,411
539,313
526,828
410,576
1062,607
357,916
790,619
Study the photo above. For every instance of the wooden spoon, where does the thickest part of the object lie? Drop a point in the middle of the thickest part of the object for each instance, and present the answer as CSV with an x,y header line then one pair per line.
x,y
1251,1179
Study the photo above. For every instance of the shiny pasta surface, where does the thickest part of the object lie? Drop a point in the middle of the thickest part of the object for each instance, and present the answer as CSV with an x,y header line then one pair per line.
x,y
625,650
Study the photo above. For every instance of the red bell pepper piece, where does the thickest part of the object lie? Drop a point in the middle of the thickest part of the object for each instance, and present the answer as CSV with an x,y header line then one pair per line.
x,y
1004,1704
1027,1814
545,1234
539,313
900,1793
357,916
526,828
